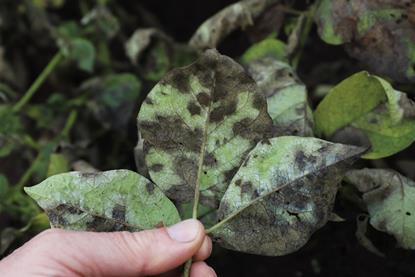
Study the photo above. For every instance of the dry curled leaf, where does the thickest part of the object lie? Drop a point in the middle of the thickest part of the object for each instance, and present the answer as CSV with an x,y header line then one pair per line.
x,y
379,33
233,17
390,198
156,53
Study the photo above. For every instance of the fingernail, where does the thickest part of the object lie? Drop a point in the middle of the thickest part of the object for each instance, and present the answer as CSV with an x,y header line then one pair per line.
x,y
185,231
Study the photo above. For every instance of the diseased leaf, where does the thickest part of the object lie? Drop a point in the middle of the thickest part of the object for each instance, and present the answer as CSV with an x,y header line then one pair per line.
x,y
108,201
286,96
140,40
367,109
231,18
380,34
58,163
390,198
82,51
268,47
101,21
162,52
283,192
113,98
198,123
139,158
84,167
267,24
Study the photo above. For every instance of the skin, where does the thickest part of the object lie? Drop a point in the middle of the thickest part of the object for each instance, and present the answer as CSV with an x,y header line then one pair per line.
x,y
160,252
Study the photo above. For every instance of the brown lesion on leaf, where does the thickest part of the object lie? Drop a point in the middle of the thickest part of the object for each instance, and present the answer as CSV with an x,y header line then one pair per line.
x,y
246,187
100,224
193,108
230,173
57,215
240,128
148,101
118,212
390,36
178,79
209,160
259,102
89,174
219,93
150,187
226,109
203,99
170,134
156,167
302,160
181,193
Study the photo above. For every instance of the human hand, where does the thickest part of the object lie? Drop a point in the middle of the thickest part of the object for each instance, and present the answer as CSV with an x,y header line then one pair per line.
x,y
58,252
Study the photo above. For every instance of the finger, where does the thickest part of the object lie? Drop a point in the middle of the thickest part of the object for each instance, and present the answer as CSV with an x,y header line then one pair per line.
x,y
113,254
200,269
205,250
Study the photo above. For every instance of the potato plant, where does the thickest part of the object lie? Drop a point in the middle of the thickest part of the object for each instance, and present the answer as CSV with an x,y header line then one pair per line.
x,y
237,140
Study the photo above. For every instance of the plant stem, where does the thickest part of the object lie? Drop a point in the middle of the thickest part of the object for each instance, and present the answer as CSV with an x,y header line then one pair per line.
x,y
70,121
186,270
290,10
39,81
309,23
188,264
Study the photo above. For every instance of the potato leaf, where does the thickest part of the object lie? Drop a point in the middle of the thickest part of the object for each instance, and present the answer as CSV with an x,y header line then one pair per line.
x,y
162,53
107,201
390,198
283,192
378,33
198,123
231,18
286,96
82,51
58,163
101,21
269,47
113,98
367,107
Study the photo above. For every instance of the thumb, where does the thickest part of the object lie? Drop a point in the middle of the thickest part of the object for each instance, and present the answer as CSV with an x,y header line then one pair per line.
x,y
109,254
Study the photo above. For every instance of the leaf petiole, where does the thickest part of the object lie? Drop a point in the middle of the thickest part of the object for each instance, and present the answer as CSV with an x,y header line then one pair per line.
x,y
39,81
